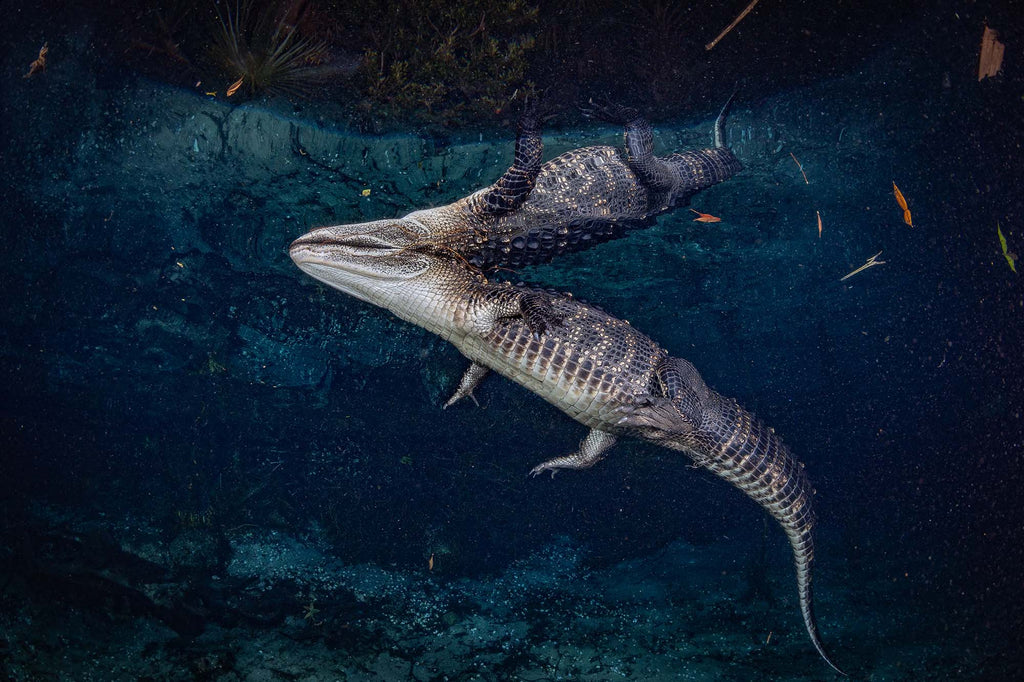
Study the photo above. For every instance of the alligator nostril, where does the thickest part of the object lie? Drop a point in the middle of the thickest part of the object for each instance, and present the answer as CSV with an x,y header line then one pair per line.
x,y
300,243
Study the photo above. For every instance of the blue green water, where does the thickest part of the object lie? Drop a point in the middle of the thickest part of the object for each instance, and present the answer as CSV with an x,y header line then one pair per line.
x,y
216,469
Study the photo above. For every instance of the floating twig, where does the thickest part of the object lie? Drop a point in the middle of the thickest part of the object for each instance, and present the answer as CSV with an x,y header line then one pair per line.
x,y
871,262
801,167
731,26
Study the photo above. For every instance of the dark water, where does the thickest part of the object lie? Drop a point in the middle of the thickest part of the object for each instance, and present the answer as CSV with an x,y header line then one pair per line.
x,y
214,468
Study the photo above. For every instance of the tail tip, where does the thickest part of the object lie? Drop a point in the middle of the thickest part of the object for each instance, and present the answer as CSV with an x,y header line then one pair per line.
x,y
821,651
720,121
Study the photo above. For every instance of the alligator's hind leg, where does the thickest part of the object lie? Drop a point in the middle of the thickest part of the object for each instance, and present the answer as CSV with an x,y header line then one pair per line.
x,y
592,450
470,380
675,404
512,188
653,172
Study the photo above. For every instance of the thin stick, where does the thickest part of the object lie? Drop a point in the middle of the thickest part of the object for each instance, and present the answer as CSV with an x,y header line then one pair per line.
x,y
732,25
801,167
871,262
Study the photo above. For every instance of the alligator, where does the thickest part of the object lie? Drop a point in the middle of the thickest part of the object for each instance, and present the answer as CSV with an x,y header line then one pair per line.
x,y
536,211
594,367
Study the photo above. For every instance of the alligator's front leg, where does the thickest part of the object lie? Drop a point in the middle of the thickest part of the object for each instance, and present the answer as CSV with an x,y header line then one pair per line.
x,y
505,302
510,190
592,450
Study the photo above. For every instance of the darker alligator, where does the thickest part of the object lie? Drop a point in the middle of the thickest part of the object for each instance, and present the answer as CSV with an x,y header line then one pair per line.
x,y
537,211
594,367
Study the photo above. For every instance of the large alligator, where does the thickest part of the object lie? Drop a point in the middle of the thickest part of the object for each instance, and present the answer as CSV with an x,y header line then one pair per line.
x,y
535,212
594,367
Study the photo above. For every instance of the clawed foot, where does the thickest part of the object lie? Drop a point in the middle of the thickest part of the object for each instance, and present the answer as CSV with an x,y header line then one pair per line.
x,y
654,416
541,468
538,313
592,450
573,461
536,113
609,112
459,396
469,381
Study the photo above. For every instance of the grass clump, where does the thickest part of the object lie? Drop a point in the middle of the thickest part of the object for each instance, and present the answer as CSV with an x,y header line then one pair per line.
x,y
441,61
263,51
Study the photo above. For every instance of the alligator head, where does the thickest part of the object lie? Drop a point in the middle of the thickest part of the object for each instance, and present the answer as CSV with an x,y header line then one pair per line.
x,y
392,264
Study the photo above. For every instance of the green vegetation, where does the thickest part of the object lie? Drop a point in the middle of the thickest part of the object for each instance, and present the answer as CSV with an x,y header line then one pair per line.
x,y
396,63
437,61
406,61
263,51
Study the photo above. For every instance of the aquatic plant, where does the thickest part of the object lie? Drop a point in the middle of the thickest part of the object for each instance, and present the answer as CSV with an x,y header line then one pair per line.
x,y
264,51
441,61
159,30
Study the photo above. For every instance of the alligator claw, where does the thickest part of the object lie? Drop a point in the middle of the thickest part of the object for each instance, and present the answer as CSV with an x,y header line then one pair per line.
x,y
541,468
536,112
591,451
470,380
538,313
654,413
609,112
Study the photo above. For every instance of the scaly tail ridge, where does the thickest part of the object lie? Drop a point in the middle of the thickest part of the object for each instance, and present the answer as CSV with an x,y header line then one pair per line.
x,y
740,449
720,121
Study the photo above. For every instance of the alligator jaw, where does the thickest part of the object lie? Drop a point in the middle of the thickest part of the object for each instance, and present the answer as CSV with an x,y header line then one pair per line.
x,y
391,266
367,260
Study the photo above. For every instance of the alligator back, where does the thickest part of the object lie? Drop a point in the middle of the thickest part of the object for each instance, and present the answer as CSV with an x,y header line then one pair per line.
x,y
586,197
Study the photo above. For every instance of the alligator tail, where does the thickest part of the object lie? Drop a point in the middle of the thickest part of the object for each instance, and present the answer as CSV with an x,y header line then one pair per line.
x,y
702,168
720,122
736,446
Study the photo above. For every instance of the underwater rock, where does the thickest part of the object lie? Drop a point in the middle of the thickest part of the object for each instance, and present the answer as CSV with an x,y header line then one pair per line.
x,y
199,552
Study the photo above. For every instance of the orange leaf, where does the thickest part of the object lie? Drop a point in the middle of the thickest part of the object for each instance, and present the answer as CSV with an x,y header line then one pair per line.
x,y
705,218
